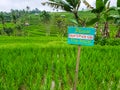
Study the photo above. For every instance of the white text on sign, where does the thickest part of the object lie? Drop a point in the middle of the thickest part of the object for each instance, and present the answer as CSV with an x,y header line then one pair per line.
x,y
81,36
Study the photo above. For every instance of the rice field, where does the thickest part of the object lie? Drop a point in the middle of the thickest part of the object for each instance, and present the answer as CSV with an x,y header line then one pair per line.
x,y
37,63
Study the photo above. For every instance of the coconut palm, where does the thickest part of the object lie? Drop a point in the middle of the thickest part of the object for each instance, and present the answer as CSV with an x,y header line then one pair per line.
x,y
28,8
27,16
67,5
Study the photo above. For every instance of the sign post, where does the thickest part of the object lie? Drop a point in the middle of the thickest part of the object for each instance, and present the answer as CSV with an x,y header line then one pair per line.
x,y
77,68
80,36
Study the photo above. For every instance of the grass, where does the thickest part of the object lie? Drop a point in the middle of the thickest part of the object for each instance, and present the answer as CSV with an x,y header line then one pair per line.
x,y
41,62
33,63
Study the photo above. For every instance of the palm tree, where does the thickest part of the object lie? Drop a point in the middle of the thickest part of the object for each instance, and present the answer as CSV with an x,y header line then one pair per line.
x,y
27,15
28,8
67,5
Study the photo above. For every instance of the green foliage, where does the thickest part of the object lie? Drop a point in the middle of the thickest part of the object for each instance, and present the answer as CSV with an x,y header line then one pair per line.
x,y
34,63
106,41
45,17
100,5
8,31
61,24
67,5
39,28
2,17
118,3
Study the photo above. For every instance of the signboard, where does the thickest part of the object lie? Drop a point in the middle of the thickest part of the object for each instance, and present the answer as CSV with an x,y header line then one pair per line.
x,y
81,36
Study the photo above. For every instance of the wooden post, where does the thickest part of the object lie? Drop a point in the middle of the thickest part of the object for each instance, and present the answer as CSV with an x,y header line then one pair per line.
x,y
77,68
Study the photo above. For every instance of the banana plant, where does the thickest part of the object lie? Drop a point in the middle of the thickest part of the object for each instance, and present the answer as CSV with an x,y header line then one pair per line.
x,y
101,10
117,18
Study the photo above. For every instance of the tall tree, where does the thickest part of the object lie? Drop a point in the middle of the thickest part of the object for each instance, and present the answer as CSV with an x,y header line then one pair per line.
x,y
27,16
28,8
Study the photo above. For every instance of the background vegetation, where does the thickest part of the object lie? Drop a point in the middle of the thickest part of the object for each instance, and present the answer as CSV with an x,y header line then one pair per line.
x,y
34,54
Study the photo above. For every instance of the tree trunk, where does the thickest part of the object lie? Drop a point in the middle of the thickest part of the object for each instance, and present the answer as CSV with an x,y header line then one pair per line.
x,y
106,30
79,21
76,17
118,33
77,68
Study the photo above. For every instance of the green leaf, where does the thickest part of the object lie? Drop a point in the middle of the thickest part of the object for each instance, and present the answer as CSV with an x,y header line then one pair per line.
x,y
118,6
73,3
105,2
93,21
74,21
66,6
118,3
99,5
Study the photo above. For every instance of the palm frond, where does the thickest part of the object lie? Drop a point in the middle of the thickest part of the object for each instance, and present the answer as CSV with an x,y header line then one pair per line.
x,y
87,4
52,4
92,21
73,21
105,2
74,3
78,5
59,4
108,5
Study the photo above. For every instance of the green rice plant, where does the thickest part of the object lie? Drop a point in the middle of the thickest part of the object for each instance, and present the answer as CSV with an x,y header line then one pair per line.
x,y
32,65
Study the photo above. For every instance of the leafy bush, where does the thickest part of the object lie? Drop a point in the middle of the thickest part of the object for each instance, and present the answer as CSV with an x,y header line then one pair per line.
x,y
8,31
107,41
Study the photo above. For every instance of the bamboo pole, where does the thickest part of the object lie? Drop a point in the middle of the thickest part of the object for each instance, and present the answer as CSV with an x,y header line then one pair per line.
x,y
77,68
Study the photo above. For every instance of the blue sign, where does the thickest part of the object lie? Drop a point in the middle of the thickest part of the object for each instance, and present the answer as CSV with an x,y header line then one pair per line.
x,y
81,36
